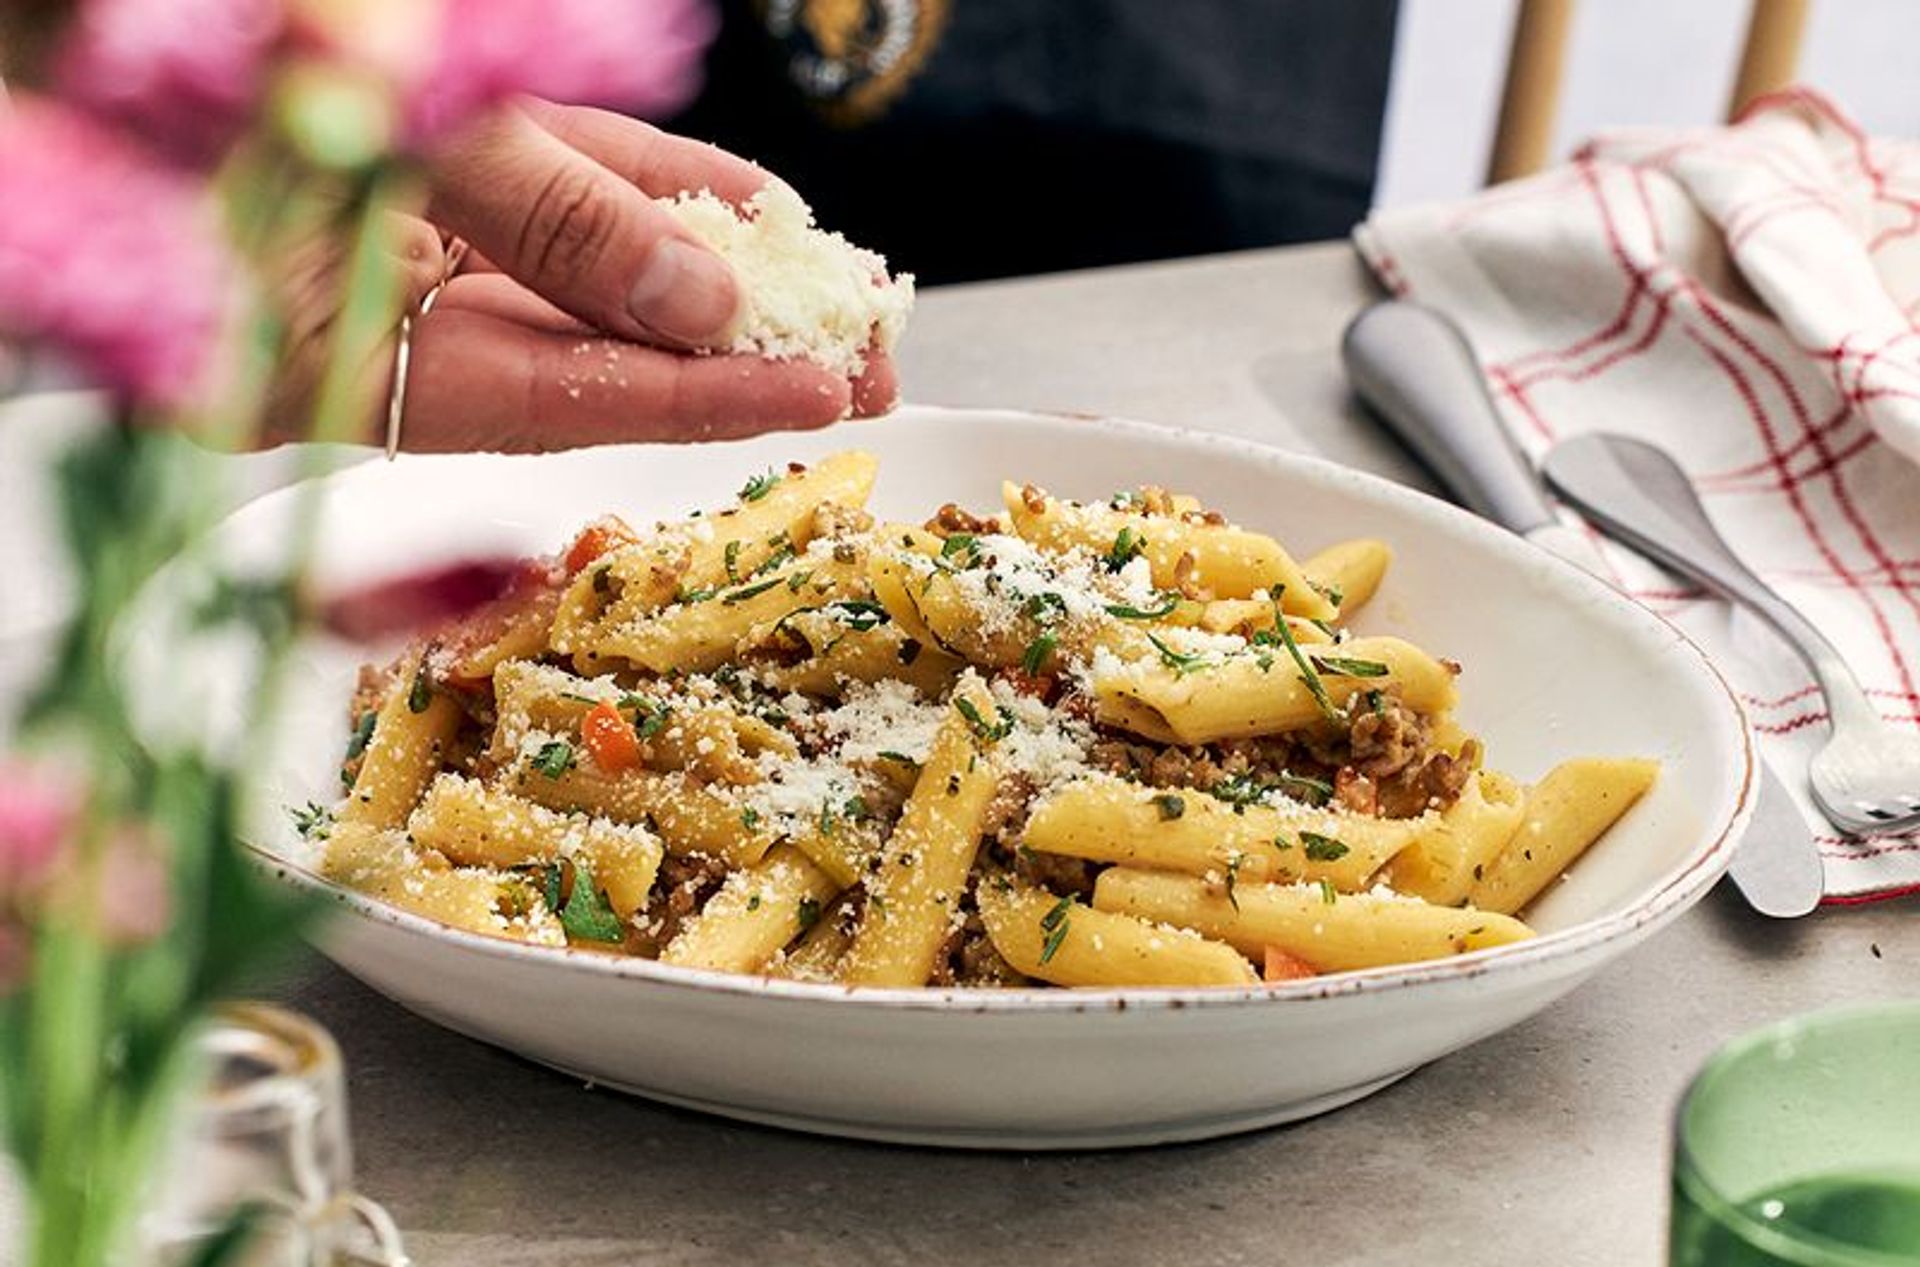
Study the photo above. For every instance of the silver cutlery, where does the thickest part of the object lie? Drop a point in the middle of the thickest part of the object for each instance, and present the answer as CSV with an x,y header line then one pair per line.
x,y
1415,368
1866,779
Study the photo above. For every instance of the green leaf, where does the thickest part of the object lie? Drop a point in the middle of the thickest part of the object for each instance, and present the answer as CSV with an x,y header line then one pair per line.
x,y
1169,601
745,592
1323,848
554,759
362,732
731,561
1311,679
1181,662
1126,544
420,694
1055,924
962,549
759,486
312,820
588,916
859,614
1349,667
1045,607
808,913
990,733
1170,805
1038,652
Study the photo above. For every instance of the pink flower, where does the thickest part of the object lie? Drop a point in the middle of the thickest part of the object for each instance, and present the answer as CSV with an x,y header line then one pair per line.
x,y
184,74
638,55
106,255
134,901
39,809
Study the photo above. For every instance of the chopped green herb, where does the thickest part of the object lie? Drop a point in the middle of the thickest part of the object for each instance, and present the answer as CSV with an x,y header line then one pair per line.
x,y
1328,893
1054,924
991,733
1377,703
1126,544
732,561
554,873
1233,878
962,549
1170,805
1241,789
1038,652
420,694
1181,662
1044,607
1125,499
753,903
1323,848
745,592
1329,591
685,595
554,759
649,716
1346,666
749,818
1326,627
588,916
759,486
1314,791
311,820
362,731
1168,603
859,614
1308,677
857,809
798,580
807,914
828,819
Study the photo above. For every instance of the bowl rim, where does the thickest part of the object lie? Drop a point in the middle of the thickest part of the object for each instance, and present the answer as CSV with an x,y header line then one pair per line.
x,y
1666,900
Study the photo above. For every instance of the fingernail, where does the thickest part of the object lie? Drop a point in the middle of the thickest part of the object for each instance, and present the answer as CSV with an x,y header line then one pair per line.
x,y
684,293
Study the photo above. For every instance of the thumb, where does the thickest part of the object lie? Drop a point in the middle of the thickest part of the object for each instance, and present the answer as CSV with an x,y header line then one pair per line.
x,y
580,236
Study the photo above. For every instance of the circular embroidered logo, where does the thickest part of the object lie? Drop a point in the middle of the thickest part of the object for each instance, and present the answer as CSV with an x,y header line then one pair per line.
x,y
852,58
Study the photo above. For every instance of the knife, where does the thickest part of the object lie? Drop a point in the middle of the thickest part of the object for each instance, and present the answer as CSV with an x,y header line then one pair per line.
x,y
1417,371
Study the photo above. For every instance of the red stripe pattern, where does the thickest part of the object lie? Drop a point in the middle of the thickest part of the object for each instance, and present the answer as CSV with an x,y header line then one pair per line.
x,y
1746,297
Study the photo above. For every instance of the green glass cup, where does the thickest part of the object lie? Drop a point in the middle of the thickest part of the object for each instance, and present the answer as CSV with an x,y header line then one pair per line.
x,y
1799,1144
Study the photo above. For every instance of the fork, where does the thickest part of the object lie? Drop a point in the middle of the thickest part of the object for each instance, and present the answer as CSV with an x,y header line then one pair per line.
x,y
1866,779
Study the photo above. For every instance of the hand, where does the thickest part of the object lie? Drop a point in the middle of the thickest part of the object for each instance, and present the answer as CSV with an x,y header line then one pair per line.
x,y
574,319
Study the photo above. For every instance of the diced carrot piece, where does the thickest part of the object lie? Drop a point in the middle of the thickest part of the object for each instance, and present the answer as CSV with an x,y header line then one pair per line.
x,y
1281,966
598,537
610,739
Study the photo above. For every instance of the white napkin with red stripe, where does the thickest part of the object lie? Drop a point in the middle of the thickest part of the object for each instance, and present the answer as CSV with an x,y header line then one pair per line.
x,y
1747,298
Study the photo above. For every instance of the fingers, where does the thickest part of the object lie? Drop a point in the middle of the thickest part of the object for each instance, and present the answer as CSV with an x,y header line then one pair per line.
x,y
483,382
581,236
877,390
659,163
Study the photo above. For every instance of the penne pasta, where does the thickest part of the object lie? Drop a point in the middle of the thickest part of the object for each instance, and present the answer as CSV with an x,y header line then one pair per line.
x,y
1564,813
1063,942
1349,572
412,733
1331,931
758,910
1442,864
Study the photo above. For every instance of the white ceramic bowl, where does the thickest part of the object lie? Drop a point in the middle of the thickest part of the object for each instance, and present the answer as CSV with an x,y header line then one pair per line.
x,y
1556,665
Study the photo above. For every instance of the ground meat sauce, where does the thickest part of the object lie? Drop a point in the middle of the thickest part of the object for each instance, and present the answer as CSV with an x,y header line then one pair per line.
x,y
682,887
1380,762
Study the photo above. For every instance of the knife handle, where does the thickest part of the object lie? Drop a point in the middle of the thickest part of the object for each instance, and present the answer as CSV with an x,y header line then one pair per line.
x,y
1415,368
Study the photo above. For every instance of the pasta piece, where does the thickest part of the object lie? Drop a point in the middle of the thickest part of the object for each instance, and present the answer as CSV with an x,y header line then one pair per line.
x,y
1249,616
474,825
835,653
775,519
1332,932
1228,562
1565,812
1442,864
1062,942
698,636
381,864
913,896
757,911
1243,695
1350,572
816,956
689,817
1105,819
412,731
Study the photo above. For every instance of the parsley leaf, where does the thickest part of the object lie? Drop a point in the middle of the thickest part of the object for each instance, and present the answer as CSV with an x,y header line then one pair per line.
x,y
962,549
899,758
362,732
745,592
420,695
1038,652
1323,848
588,916
807,914
554,759
1170,805
732,561
859,614
759,486
1328,893
649,716
1045,607
1126,544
